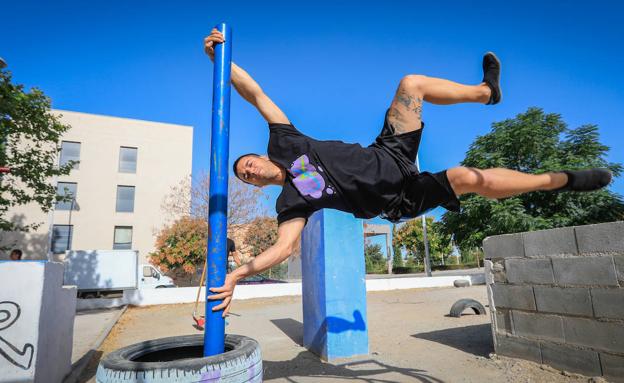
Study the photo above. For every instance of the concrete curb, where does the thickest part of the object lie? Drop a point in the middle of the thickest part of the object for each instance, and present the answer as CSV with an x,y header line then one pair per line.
x,y
78,367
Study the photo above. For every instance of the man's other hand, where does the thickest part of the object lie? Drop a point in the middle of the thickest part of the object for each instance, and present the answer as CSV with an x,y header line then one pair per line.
x,y
224,292
215,37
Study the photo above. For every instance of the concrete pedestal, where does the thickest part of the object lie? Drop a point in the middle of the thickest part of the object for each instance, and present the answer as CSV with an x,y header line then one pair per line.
x,y
36,322
334,286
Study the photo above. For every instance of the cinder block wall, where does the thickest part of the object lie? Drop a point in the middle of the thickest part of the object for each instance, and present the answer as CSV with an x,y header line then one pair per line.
x,y
557,297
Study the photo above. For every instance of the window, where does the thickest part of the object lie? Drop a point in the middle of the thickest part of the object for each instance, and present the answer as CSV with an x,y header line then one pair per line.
x,y
125,199
61,238
148,272
127,159
66,189
123,238
70,151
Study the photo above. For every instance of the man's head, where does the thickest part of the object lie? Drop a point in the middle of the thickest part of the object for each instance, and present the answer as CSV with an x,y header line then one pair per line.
x,y
16,255
257,170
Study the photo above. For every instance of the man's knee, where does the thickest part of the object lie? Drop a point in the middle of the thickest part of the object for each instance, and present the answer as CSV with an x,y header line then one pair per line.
x,y
466,180
412,83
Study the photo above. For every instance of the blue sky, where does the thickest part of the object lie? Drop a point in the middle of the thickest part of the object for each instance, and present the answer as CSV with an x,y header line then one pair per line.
x,y
332,68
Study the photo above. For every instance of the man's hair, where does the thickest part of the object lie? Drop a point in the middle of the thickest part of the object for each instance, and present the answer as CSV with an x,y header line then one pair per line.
x,y
18,252
236,163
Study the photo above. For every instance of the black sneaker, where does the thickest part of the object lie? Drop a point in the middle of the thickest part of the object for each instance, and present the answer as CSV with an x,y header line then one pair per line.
x,y
586,180
491,76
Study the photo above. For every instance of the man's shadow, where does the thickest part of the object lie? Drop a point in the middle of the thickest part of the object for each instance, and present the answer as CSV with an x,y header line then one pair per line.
x,y
307,364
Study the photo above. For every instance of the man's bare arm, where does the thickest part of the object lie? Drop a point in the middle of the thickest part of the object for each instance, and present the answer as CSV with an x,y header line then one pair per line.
x,y
246,86
287,235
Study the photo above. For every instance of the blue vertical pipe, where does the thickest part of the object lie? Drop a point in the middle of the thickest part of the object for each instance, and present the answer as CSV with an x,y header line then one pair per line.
x,y
214,334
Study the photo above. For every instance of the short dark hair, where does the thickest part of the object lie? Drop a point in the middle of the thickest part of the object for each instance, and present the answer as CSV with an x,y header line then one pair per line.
x,y
18,252
236,163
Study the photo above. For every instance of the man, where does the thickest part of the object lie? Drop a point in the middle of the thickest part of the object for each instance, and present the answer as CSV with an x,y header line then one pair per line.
x,y
233,259
377,180
16,255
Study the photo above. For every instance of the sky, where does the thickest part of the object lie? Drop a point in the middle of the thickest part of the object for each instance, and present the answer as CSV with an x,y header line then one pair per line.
x,y
331,66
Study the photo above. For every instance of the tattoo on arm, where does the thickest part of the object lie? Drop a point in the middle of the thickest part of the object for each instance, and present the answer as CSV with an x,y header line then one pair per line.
x,y
412,103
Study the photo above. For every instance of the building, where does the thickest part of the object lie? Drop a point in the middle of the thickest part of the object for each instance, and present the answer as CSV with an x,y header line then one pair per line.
x,y
126,168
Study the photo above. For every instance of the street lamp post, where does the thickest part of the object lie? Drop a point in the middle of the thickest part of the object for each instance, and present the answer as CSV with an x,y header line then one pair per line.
x,y
423,217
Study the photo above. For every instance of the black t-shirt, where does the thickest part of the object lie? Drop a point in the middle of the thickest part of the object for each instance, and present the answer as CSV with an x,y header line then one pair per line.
x,y
331,174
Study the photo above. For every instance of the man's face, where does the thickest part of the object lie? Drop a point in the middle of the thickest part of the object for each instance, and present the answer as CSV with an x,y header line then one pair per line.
x,y
255,170
14,256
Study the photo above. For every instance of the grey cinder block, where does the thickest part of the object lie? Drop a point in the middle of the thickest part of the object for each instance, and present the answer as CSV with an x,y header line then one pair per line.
x,y
518,348
503,321
608,303
571,359
576,301
503,246
550,242
514,297
529,271
604,336
498,272
601,238
612,367
594,271
538,326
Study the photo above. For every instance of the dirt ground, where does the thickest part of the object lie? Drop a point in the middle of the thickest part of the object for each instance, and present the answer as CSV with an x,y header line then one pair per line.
x,y
411,339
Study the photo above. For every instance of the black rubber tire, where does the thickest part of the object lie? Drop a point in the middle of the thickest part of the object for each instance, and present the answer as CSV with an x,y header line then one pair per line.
x,y
458,307
461,283
143,362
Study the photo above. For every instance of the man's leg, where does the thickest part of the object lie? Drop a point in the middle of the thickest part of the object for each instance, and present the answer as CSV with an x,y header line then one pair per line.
x,y
406,108
502,183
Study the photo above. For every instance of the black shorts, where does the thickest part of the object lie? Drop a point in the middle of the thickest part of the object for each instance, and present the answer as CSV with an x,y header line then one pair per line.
x,y
421,191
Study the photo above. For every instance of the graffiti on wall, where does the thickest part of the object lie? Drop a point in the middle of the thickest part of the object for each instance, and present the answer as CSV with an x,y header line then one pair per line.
x,y
9,314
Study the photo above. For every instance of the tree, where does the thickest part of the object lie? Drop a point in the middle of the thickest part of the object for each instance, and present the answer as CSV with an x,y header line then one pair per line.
x,y
29,146
374,259
261,234
244,201
410,237
397,258
181,247
534,142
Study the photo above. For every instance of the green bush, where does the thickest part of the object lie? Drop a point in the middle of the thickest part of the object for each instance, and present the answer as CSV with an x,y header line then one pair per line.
x,y
408,269
454,266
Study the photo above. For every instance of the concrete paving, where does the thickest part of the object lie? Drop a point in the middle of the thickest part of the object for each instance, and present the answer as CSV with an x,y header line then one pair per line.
x,y
91,328
412,339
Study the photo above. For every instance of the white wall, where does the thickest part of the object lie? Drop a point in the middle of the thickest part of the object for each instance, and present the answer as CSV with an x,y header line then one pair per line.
x,y
147,297
36,335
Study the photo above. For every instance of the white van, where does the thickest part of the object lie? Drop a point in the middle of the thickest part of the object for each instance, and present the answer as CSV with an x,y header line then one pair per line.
x,y
98,273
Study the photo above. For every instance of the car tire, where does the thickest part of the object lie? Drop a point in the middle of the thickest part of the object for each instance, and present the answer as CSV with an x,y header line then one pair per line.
x,y
461,305
180,359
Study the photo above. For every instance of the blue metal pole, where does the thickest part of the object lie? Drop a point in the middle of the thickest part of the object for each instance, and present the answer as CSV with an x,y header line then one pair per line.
x,y
214,334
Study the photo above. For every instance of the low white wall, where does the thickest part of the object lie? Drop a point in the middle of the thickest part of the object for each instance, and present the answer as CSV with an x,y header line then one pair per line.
x,y
148,297
36,322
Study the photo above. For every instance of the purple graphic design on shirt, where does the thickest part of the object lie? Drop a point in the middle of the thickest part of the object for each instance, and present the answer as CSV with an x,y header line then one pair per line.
x,y
307,180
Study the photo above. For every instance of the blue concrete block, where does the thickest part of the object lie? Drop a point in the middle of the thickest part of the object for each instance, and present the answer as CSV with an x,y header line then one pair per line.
x,y
334,285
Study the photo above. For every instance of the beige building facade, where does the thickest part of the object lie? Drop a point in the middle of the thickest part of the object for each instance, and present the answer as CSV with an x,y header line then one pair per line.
x,y
126,168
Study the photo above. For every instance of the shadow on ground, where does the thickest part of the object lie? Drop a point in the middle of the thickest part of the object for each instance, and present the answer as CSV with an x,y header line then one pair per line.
x,y
307,364
92,360
476,339
292,328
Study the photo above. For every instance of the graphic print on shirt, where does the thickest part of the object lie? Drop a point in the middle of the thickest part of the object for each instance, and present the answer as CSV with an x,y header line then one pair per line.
x,y
307,179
